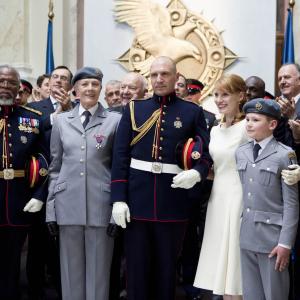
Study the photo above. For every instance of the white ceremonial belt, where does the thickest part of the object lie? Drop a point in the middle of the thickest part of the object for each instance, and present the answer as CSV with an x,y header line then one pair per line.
x,y
154,167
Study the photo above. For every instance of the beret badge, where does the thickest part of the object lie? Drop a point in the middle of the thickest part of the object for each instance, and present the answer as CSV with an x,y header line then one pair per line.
x,y
258,106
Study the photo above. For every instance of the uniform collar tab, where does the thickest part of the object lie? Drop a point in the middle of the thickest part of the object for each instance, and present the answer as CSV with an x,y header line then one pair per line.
x,y
165,99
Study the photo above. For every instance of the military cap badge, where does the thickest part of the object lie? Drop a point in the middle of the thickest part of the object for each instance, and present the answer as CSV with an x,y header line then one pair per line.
x,y
188,152
258,106
195,155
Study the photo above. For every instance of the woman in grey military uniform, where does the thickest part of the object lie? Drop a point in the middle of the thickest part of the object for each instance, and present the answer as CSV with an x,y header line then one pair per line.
x,y
79,190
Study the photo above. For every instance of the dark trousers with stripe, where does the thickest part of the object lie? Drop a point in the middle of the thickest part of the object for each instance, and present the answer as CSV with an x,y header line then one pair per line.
x,y
11,242
151,251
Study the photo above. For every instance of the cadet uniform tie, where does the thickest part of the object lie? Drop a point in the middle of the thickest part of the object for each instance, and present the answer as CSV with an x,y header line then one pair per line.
x,y
87,115
256,149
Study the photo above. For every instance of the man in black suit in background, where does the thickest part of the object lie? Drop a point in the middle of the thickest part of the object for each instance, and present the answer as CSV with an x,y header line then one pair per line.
x,y
42,248
289,85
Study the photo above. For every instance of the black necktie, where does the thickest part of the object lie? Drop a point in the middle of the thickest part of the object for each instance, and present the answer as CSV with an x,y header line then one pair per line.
x,y
256,148
87,115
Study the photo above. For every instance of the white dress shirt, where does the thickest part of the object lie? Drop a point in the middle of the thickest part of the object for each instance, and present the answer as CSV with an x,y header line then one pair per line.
x,y
81,110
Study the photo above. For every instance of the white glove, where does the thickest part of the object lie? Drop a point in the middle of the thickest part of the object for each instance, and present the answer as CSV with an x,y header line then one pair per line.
x,y
291,176
186,179
33,205
121,214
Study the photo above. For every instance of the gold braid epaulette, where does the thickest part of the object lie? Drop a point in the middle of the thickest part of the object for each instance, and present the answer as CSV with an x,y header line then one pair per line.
x,y
144,128
32,110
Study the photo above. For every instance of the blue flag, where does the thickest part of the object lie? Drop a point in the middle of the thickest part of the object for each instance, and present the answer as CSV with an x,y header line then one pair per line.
x,y
288,50
49,53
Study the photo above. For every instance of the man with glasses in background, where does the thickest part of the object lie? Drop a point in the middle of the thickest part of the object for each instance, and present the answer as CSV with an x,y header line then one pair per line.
x,y
42,248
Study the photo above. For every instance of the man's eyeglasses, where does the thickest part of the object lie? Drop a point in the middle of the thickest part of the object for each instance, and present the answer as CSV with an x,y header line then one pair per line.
x,y
62,77
9,83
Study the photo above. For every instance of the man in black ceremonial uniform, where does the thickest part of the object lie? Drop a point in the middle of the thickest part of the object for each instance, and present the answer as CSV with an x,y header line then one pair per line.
x,y
149,188
20,131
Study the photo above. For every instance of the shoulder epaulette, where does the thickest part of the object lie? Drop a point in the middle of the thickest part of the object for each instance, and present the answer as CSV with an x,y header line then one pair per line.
x,y
245,144
285,146
292,155
32,110
111,110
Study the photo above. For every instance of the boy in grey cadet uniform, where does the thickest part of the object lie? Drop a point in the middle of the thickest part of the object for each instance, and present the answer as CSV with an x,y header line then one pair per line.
x,y
270,214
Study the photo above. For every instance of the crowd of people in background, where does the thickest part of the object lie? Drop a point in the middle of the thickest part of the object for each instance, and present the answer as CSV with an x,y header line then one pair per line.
x,y
153,190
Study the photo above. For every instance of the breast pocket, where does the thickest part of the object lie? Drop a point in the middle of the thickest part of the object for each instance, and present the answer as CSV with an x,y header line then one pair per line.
x,y
268,174
269,218
60,187
241,167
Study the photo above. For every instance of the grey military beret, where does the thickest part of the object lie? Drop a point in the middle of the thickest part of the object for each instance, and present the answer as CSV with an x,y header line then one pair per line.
x,y
262,106
87,72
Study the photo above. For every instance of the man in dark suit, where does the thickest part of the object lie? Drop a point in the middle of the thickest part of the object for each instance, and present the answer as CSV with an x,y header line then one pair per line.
x,y
149,186
289,85
21,130
43,249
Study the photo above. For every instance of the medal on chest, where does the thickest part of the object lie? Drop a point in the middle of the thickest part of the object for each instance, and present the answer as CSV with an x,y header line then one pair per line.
x,y
99,139
28,125
177,123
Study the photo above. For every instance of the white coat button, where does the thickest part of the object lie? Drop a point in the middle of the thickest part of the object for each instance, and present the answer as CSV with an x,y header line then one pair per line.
x,y
81,160
253,165
59,188
82,147
83,135
268,220
248,209
81,174
249,194
250,179
268,169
